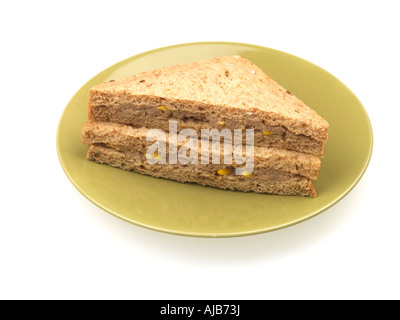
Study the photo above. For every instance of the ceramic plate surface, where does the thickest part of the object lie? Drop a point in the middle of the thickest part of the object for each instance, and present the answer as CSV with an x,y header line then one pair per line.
x,y
189,209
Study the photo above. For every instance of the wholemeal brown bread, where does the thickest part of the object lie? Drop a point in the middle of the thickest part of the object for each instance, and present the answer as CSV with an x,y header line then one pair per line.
x,y
127,138
263,180
224,92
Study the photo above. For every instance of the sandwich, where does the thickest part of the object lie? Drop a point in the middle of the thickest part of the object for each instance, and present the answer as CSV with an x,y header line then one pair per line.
x,y
223,93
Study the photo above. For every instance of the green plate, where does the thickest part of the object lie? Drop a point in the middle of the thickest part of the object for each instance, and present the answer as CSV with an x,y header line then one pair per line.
x,y
189,209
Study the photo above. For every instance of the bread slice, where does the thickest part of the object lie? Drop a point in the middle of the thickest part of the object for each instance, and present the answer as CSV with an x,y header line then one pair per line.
x,y
223,92
126,138
263,181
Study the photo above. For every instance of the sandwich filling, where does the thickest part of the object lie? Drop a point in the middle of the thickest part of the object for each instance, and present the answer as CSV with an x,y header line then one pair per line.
x,y
159,117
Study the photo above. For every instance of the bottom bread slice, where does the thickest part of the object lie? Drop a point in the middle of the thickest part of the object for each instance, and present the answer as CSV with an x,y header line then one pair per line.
x,y
262,180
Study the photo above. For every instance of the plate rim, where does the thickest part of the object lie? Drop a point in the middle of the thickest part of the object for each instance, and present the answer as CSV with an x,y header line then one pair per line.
x,y
204,234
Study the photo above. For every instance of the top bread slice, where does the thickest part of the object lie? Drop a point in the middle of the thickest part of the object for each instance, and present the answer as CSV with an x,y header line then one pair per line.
x,y
225,87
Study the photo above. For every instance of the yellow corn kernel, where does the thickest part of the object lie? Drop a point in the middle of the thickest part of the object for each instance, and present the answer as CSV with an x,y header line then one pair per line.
x,y
224,172
221,123
246,174
154,156
113,146
266,133
162,108
157,156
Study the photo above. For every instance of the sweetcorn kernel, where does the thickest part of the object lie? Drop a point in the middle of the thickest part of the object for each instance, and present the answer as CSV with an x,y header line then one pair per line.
x,y
157,156
266,133
246,173
224,172
109,145
153,156
162,108
221,123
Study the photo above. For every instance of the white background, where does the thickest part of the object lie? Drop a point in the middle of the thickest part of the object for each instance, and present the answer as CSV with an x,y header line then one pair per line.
x,y
55,244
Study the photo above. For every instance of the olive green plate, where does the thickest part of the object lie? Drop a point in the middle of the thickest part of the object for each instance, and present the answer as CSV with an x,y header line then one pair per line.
x,y
189,209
